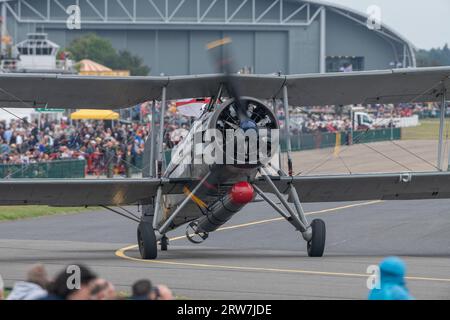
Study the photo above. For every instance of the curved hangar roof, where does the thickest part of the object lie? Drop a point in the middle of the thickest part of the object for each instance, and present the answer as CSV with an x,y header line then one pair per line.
x,y
291,36
361,17
353,13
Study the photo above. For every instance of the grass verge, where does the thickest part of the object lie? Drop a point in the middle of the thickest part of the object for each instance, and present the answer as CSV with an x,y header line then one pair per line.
x,y
9,213
428,130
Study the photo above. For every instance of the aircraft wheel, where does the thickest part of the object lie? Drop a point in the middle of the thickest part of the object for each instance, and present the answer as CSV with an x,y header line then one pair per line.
x,y
147,241
316,245
164,243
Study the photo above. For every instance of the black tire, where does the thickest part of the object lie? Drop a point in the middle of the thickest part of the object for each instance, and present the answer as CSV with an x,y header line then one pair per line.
x,y
316,245
147,241
164,243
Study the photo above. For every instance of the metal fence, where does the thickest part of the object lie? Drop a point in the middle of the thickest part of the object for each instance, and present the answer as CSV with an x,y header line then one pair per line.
x,y
45,170
320,140
432,114
299,142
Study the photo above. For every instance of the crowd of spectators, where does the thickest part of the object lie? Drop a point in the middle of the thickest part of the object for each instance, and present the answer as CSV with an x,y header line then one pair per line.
x,y
78,282
117,145
327,119
101,143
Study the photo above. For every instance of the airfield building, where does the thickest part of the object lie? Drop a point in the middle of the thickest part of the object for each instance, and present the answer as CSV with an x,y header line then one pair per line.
x,y
269,36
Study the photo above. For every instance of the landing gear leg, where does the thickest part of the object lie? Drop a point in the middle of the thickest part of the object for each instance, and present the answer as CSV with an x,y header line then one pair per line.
x,y
314,234
164,243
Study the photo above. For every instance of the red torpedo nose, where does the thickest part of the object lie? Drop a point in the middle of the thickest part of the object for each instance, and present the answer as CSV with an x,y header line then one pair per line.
x,y
242,193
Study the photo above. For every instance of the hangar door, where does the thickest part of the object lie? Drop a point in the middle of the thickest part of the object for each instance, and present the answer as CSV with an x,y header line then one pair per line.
x,y
184,52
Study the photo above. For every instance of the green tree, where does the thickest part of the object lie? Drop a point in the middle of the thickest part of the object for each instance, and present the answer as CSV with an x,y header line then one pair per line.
x,y
128,61
94,48
100,50
434,57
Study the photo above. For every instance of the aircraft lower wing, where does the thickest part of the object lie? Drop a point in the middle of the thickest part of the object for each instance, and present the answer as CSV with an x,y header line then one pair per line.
x,y
84,192
358,187
84,92
334,188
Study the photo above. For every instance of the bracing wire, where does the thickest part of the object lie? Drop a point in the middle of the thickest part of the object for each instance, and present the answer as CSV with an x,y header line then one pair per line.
x,y
328,157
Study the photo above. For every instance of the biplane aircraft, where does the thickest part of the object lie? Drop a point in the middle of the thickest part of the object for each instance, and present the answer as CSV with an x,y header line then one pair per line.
x,y
205,196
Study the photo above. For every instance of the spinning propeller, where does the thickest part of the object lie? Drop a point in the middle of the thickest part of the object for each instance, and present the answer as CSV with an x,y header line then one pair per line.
x,y
221,54
240,113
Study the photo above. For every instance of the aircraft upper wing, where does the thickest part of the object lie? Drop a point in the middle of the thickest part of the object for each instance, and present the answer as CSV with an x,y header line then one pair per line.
x,y
84,92
84,192
371,87
358,187
76,92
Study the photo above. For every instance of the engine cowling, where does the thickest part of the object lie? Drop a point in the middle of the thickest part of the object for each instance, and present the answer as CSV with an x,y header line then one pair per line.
x,y
259,120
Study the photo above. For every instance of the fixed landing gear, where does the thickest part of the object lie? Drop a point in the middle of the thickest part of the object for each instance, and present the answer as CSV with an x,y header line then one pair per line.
x,y
164,242
316,245
147,241
313,233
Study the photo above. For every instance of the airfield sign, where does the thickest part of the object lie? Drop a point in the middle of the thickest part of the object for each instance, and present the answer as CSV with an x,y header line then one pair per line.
x,y
45,110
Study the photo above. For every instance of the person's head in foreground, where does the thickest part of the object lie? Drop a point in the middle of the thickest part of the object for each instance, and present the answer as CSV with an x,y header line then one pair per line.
x,y
35,286
66,286
103,290
143,290
392,281
161,292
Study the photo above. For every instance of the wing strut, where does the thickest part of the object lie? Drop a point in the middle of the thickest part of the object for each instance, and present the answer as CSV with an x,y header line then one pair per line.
x,y
152,141
286,128
161,131
440,157
129,216
165,227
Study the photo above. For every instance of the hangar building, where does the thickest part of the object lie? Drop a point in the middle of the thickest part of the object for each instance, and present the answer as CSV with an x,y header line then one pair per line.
x,y
269,36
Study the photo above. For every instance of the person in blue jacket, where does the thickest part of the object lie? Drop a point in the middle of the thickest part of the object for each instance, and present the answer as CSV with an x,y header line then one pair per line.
x,y
392,281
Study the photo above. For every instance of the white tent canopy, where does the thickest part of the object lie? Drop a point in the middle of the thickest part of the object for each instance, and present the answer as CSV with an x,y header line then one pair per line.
x,y
15,113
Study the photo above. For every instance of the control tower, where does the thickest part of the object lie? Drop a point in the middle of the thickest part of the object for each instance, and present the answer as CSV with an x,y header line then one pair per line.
x,y
37,53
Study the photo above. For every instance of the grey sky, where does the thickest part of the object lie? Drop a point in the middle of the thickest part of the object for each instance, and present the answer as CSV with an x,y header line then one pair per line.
x,y
425,23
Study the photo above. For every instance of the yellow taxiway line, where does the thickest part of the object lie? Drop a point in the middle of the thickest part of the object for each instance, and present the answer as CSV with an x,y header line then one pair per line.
x,y
121,253
243,225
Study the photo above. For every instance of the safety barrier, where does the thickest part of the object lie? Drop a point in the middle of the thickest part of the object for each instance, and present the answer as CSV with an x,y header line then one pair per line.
x,y
376,135
432,114
320,140
45,170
